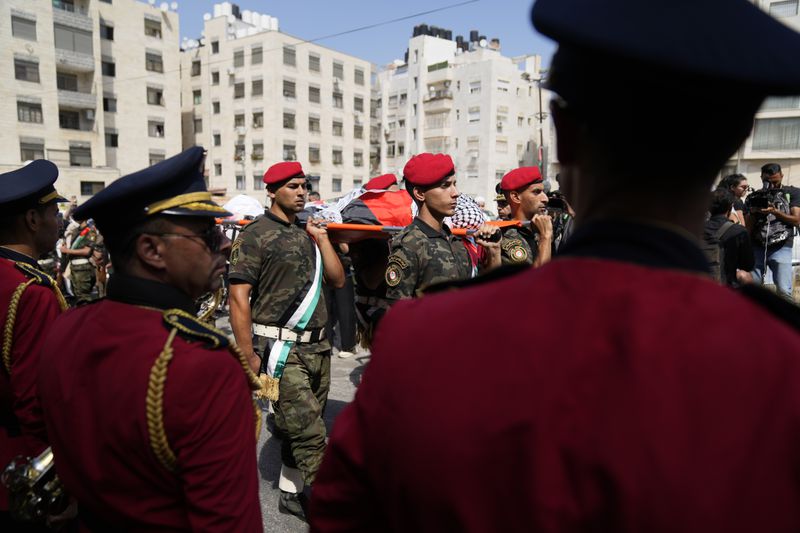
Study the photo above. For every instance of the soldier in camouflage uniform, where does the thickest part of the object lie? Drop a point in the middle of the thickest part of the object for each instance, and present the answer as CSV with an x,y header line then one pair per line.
x,y
276,271
82,271
528,244
426,253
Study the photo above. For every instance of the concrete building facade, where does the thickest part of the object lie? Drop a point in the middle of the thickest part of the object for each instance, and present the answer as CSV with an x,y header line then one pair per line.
x,y
254,96
91,85
463,98
776,130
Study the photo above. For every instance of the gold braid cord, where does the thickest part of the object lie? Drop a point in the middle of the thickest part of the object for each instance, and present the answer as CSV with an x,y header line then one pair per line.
x,y
11,317
155,406
8,330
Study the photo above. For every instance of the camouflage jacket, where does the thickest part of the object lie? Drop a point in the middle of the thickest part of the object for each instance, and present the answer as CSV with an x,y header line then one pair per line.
x,y
520,245
277,259
421,256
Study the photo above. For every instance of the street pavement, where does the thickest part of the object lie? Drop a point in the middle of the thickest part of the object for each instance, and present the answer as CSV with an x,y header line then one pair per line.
x,y
345,375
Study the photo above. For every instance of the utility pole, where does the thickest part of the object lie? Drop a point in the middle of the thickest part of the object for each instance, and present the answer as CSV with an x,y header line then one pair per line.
x,y
541,116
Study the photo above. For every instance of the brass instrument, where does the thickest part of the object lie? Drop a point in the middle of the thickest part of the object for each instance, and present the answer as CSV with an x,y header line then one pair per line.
x,y
209,305
35,492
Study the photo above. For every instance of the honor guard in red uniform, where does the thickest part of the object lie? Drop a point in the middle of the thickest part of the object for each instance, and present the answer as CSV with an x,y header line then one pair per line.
x,y
622,396
29,302
149,411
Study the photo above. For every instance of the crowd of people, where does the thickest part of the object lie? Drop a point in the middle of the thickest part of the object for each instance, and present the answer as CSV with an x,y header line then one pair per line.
x,y
565,368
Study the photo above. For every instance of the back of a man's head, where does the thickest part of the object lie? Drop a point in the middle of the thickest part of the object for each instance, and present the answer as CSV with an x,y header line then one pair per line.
x,y
721,202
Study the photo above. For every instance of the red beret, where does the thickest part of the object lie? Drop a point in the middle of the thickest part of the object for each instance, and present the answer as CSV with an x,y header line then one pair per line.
x,y
283,171
520,177
381,182
427,169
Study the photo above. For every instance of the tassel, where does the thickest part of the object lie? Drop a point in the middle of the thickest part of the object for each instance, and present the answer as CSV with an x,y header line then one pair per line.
x,y
269,388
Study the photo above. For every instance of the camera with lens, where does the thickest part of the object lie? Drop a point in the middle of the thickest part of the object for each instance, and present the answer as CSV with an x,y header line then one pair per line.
x,y
763,199
556,202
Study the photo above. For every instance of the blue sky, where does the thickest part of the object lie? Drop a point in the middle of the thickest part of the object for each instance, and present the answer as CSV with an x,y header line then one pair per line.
x,y
507,20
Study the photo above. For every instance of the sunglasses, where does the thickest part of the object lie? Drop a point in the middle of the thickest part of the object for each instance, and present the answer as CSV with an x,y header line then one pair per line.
x,y
212,238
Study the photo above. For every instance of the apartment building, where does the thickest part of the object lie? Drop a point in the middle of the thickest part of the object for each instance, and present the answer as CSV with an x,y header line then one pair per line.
x,y
776,130
254,96
464,98
95,88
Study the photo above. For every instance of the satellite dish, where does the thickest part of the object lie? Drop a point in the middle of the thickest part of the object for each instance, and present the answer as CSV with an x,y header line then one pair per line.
x,y
482,43
174,6
207,16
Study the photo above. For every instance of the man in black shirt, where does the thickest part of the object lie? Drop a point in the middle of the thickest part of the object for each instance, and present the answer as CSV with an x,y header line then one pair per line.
x,y
735,250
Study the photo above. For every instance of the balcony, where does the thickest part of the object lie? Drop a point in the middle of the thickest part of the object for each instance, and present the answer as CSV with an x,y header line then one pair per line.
x,y
438,101
69,61
68,14
76,100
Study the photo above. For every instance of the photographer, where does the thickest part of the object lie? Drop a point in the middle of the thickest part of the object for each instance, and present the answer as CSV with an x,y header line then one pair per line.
x,y
774,216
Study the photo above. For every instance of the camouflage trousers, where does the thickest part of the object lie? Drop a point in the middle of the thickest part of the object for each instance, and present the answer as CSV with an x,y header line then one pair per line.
x,y
83,279
301,403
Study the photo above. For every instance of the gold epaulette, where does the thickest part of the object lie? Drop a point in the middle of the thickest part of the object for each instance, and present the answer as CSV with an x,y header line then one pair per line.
x,y
35,277
192,329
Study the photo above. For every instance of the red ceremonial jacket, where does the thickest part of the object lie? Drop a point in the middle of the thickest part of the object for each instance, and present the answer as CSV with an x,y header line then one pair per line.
x,y
601,392
22,430
95,369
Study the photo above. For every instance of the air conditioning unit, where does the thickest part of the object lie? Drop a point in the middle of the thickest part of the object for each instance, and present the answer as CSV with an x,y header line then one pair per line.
x,y
240,131
231,71
88,114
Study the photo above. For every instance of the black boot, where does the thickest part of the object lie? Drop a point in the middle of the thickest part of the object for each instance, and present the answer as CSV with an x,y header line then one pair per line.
x,y
293,504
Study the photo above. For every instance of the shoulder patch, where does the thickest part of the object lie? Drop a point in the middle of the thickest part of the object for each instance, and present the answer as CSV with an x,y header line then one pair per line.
x,y
235,251
394,274
36,274
192,328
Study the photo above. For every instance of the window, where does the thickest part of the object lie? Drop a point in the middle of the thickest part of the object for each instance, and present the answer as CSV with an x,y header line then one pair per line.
x,y
501,146
26,70
238,58
337,128
198,125
781,102
475,87
289,56
153,62
214,47
337,156
403,98
289,90
215,77
776,134
288,120
474,115
358,76
155,96
783,9
197,96
313,63
258,151
112,140
503,85
257,88
218,169
392,101
156,157
357,182
238,90
238,120
238,151
29,151
109,104
313,124
80,156
358,158
108,68
217,139
258,119
196,67
106,32
358,103
215,108
155,128
27,112
289,153
256,55
152,28
313,95
90,188
401,149
258,182
69,120
390,150
240,183
66,82
73,40
338,100
520,120
416,82
313,153
23,28
338,70
336,185
358,131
